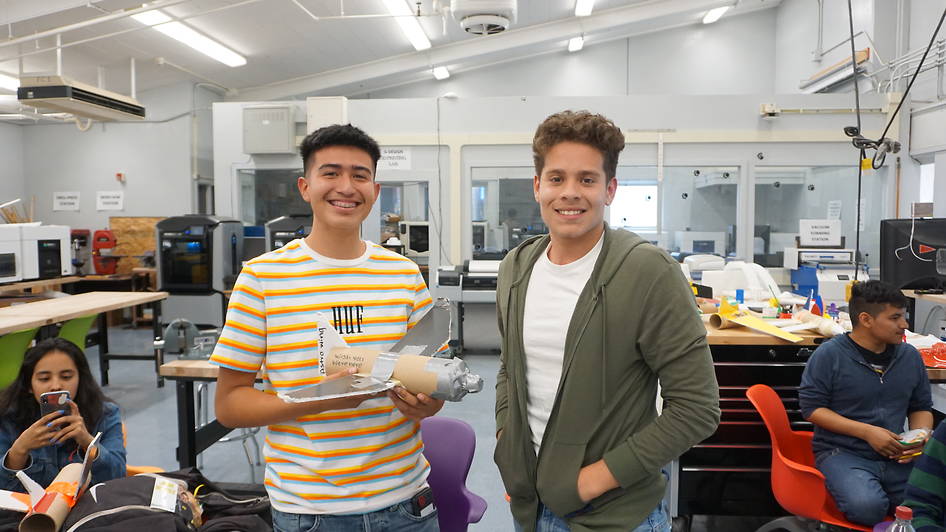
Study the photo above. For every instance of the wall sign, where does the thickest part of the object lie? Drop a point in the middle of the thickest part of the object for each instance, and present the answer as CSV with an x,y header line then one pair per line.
x,y
109,200
65,201
395,159
819,232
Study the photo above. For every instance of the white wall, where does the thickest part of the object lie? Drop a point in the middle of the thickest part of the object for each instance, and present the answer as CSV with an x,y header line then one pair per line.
x,y
12,179
796,37
733,56
155,157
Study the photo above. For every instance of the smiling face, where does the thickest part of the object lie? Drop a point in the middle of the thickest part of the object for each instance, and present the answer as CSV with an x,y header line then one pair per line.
x,y
573,191
339,186
56,371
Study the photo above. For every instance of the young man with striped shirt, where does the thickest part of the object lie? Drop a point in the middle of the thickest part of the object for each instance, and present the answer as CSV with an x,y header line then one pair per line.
x,y
341,464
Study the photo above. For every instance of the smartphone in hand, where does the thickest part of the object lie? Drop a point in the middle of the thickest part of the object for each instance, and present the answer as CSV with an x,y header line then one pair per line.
x,y
50,402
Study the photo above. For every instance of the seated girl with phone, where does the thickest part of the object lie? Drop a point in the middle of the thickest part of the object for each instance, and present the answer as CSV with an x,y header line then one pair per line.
x,y
50,414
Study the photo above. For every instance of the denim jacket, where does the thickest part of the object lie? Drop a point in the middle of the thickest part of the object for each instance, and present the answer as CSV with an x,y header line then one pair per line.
x,y
837,378
45,463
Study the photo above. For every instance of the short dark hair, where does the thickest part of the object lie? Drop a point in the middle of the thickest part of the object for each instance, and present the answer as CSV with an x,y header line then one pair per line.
x,y
579,126
873,297
338,135
17,401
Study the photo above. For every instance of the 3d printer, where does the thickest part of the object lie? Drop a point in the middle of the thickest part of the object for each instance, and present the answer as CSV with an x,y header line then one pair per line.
x,y
199,257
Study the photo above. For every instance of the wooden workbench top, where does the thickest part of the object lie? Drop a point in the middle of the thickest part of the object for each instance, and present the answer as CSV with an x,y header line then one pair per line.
x,y
744,336
40,283
935,298
10,324
195,369
191,369
66,308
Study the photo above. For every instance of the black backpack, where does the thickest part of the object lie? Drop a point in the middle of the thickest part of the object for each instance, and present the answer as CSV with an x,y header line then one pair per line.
x,y
124,504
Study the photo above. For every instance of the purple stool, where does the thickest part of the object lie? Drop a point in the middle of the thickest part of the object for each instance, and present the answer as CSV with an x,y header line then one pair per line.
x,y
448,446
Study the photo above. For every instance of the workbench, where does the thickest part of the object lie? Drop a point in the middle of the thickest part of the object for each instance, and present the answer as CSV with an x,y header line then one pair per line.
x,y
192,440
935,299
57,310
42,284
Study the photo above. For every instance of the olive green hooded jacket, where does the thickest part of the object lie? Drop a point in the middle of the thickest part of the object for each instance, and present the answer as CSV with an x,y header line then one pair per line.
x,y
635,323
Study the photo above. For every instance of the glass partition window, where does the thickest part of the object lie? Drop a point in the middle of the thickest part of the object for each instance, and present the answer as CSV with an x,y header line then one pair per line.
x,y
635,205
266,194
698,209
786,194
503,210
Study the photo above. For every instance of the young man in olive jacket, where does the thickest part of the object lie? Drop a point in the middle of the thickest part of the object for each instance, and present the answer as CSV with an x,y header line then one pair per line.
x,y
591,319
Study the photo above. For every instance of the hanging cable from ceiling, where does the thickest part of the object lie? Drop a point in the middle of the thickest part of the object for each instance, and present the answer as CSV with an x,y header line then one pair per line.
x,y
882,145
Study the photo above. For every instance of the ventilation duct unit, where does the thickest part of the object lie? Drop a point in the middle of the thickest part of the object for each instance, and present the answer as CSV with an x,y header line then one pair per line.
x,y
60,94
484,17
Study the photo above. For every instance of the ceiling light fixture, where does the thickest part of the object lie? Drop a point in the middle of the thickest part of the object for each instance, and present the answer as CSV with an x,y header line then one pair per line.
x,y
187,35
714,14
441,73
583,7
9,83
409,24
575,44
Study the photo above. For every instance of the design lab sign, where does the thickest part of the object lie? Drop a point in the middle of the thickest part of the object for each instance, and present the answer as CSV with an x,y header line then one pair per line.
x,y
395,159
110,200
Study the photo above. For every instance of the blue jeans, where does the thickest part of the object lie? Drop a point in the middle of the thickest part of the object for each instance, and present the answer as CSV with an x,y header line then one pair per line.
x,y
865,490
657,521
397,517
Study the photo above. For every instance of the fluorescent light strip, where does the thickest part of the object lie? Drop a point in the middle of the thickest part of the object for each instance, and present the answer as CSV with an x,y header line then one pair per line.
x,y
441,73
408,23
583,7
187,35
9,82
714,14
575,44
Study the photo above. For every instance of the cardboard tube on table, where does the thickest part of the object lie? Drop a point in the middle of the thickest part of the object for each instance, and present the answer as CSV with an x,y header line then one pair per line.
x,y
718,321
410,370
50,512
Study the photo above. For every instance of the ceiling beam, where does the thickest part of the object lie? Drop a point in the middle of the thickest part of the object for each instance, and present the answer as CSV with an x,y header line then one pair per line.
x,y
472,49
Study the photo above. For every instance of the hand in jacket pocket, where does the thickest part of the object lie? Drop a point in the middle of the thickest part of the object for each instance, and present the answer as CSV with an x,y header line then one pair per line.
x,y
594,480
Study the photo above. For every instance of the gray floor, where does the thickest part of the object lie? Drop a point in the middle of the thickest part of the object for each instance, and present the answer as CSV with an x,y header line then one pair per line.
x,y
150,415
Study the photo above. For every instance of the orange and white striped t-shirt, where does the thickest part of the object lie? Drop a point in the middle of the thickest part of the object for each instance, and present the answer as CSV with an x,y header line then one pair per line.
x,y
341,461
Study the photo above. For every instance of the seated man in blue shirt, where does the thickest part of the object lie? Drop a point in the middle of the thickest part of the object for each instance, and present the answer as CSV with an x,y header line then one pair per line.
x,y
858,389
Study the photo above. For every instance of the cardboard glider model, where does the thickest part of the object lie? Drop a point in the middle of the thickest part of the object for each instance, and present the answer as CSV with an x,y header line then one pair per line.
x,y
411,363
730,316
46,509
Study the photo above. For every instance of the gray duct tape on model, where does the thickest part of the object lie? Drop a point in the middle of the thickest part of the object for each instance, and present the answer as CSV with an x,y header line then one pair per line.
x,y
454,379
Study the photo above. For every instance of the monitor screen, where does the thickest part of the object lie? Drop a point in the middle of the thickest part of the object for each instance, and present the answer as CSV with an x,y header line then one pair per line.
x,y
419,238
912,253
704,246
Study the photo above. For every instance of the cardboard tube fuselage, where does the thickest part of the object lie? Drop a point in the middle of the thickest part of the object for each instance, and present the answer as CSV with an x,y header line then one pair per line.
x,y
410,370
50,512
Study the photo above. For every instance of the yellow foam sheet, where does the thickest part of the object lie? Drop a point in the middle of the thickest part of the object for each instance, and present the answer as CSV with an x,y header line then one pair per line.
x,y
728,313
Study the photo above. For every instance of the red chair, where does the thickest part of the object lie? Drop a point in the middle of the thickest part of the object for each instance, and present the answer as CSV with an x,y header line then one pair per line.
x,y
798,487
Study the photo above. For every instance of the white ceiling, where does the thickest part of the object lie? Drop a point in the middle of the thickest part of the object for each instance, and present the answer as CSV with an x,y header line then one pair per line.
x,y
291,55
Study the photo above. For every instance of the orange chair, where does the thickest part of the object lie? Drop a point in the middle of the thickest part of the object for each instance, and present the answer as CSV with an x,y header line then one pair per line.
x,y
798,487
131,470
